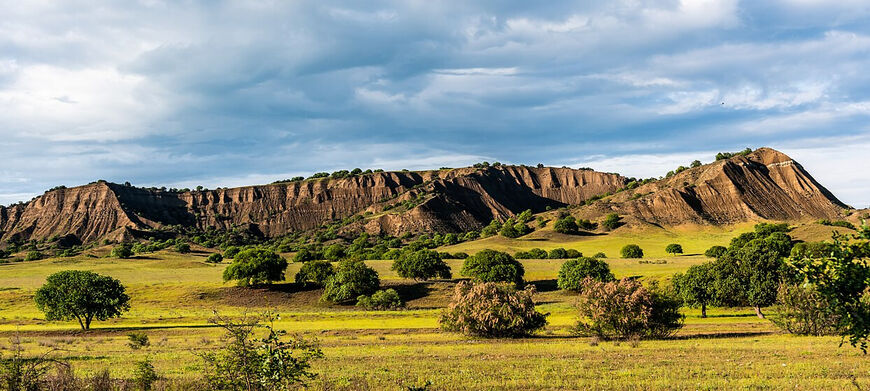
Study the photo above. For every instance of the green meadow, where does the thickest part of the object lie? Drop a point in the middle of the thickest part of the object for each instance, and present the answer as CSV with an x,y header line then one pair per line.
x,y
173,296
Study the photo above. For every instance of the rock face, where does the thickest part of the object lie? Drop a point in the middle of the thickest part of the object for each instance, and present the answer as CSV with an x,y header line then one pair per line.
x,y
766,184
443,200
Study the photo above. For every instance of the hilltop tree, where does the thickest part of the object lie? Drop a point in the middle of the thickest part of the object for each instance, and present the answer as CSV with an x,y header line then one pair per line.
x,y
493,266
256,266
81,295
421,265
697,286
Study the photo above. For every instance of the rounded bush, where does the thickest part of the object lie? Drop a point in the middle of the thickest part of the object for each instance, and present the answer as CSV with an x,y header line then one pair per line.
x,y
492,310
715,251
674,248
231,252
315,273
493,266
214,258
256,266
631,251
351,279
182,248
303,255
421,265
122,251
625,309
574,272
381,300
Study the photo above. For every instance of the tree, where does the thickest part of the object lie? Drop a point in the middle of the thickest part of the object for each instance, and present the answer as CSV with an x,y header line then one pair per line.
x,y
631,251
421,265
381,300
715,251
214,258
674,249
574,272
81,295
566,225
303,255
492,310
611,221
558,253
697,286
493,266
231,252
802,310
256,266
334,252
182,248
315,273
351,279
122,251
696,163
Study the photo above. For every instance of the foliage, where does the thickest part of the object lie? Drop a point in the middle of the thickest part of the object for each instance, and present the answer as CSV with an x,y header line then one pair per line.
x,y
351,280
728,155
837,223
258,364
231,252
574,272
492,310
137,340
214,258
122,251
801,309
625,309
33,256
81,295
315,273
514,229
256,266
493,266
421,265
674,248
611,221
182,248
715,251
696,287
599,255
21,373
334,252
534,253
566,225
381,300
842,278
303,255
631,251
144,375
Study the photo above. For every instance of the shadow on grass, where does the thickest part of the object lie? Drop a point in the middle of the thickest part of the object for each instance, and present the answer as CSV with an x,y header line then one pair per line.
x,y
747,334
545,285
411,291
290,287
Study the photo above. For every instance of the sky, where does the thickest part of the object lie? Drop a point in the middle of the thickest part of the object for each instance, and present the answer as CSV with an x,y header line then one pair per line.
x,y
223,93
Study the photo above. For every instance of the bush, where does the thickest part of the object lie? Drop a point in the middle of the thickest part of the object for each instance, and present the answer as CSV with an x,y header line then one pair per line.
x,y
492,310
256,266
303,255
674,249
214,258
715,251
599,255
137,340
421,265
182,248
803,311
144,375
611,221
534,253
314,273
122,251
231,252
493,266
573,273
558,253
631,251
334,253
625,309
381,300
566,225
351,280
33,256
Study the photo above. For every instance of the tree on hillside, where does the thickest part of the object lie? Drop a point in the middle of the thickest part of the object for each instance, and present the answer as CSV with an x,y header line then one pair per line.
x,y
334,252
493,266
566,225
611,221
674,249
123,251
697,286
421,265
256,266
81,295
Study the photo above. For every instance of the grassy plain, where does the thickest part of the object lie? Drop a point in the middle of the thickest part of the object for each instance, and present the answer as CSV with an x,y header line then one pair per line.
x,y
173,295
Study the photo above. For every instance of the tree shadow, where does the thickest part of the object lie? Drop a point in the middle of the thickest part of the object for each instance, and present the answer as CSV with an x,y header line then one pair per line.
x,y
290,287
411,291
746,334
545,285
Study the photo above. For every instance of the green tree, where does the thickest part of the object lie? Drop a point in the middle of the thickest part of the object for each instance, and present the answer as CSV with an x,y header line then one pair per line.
x,y
631,251
122,251
697,286
256,266
182,248
334,252
351,279
303,255
231,252
611,221
81,295
715,251
493,266
421,265
674,249
566,225
214,258
574,272
315,273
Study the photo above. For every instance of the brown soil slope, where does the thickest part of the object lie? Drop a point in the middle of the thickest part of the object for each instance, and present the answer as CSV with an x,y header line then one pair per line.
x,y
445,200
765,184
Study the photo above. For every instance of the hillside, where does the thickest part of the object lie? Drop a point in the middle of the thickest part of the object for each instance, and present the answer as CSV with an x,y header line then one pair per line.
x,y
765,184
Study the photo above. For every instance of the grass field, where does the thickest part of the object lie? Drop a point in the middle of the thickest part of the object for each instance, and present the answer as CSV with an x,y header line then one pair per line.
x,y
173,296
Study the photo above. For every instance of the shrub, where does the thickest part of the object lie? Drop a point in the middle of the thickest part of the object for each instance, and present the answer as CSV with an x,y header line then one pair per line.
x,y
715,251
122,251
137,340
231,252
144,375
351,280
81,295
674,249
334,253
625,309
460,255
314,273
256,266
421,265
33,256
303,255
631,251
611,221
566,225
493,266
492,310
214,258
574,272
558,253
182,248
381,300
802,310
599,255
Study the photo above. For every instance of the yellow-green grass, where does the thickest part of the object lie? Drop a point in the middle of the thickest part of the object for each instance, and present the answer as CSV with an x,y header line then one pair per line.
x,y
173,296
